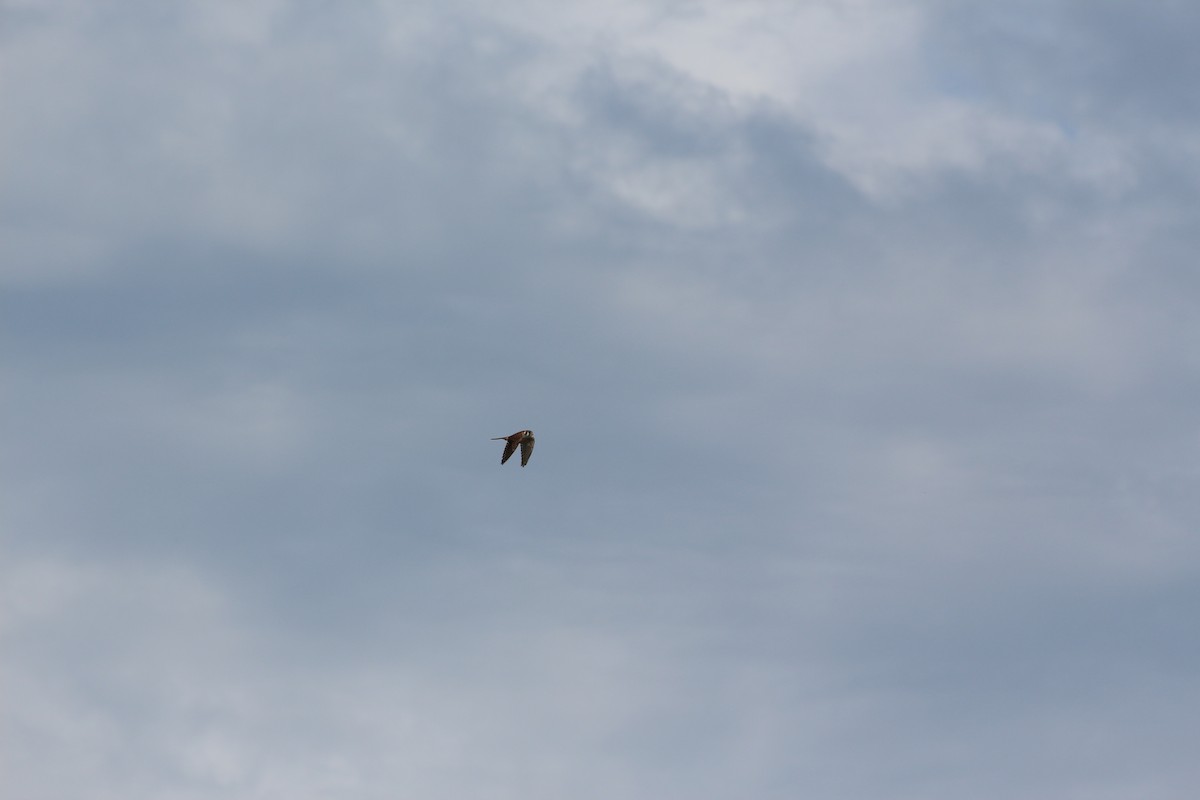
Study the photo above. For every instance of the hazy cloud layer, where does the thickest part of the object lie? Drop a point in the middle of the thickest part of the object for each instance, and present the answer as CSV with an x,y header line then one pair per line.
x,y
857,337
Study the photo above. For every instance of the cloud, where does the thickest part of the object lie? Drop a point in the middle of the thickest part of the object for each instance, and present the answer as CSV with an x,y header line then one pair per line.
x,y
854,335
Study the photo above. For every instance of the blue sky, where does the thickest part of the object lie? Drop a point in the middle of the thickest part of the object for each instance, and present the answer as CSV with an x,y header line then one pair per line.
x,y
857,337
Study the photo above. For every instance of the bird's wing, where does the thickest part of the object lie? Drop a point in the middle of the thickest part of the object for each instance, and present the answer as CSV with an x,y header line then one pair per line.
x,y
510,446
526,449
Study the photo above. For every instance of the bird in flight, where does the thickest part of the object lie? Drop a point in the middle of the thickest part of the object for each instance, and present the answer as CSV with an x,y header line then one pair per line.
x,y
523,438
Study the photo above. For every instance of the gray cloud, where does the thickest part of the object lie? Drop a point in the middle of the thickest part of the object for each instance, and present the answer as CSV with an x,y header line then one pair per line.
x,y
1120,65
859,372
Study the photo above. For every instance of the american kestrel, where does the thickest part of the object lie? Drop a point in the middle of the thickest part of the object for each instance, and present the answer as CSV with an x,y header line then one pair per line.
x,y
523,438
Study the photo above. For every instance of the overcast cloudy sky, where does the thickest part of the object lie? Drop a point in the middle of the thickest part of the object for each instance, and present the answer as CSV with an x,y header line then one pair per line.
x,y
859,338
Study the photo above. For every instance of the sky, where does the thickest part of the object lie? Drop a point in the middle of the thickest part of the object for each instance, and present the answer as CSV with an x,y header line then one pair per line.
x,y
858,338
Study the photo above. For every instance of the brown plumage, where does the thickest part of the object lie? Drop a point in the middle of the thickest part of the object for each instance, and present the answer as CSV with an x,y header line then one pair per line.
x,y
523,438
